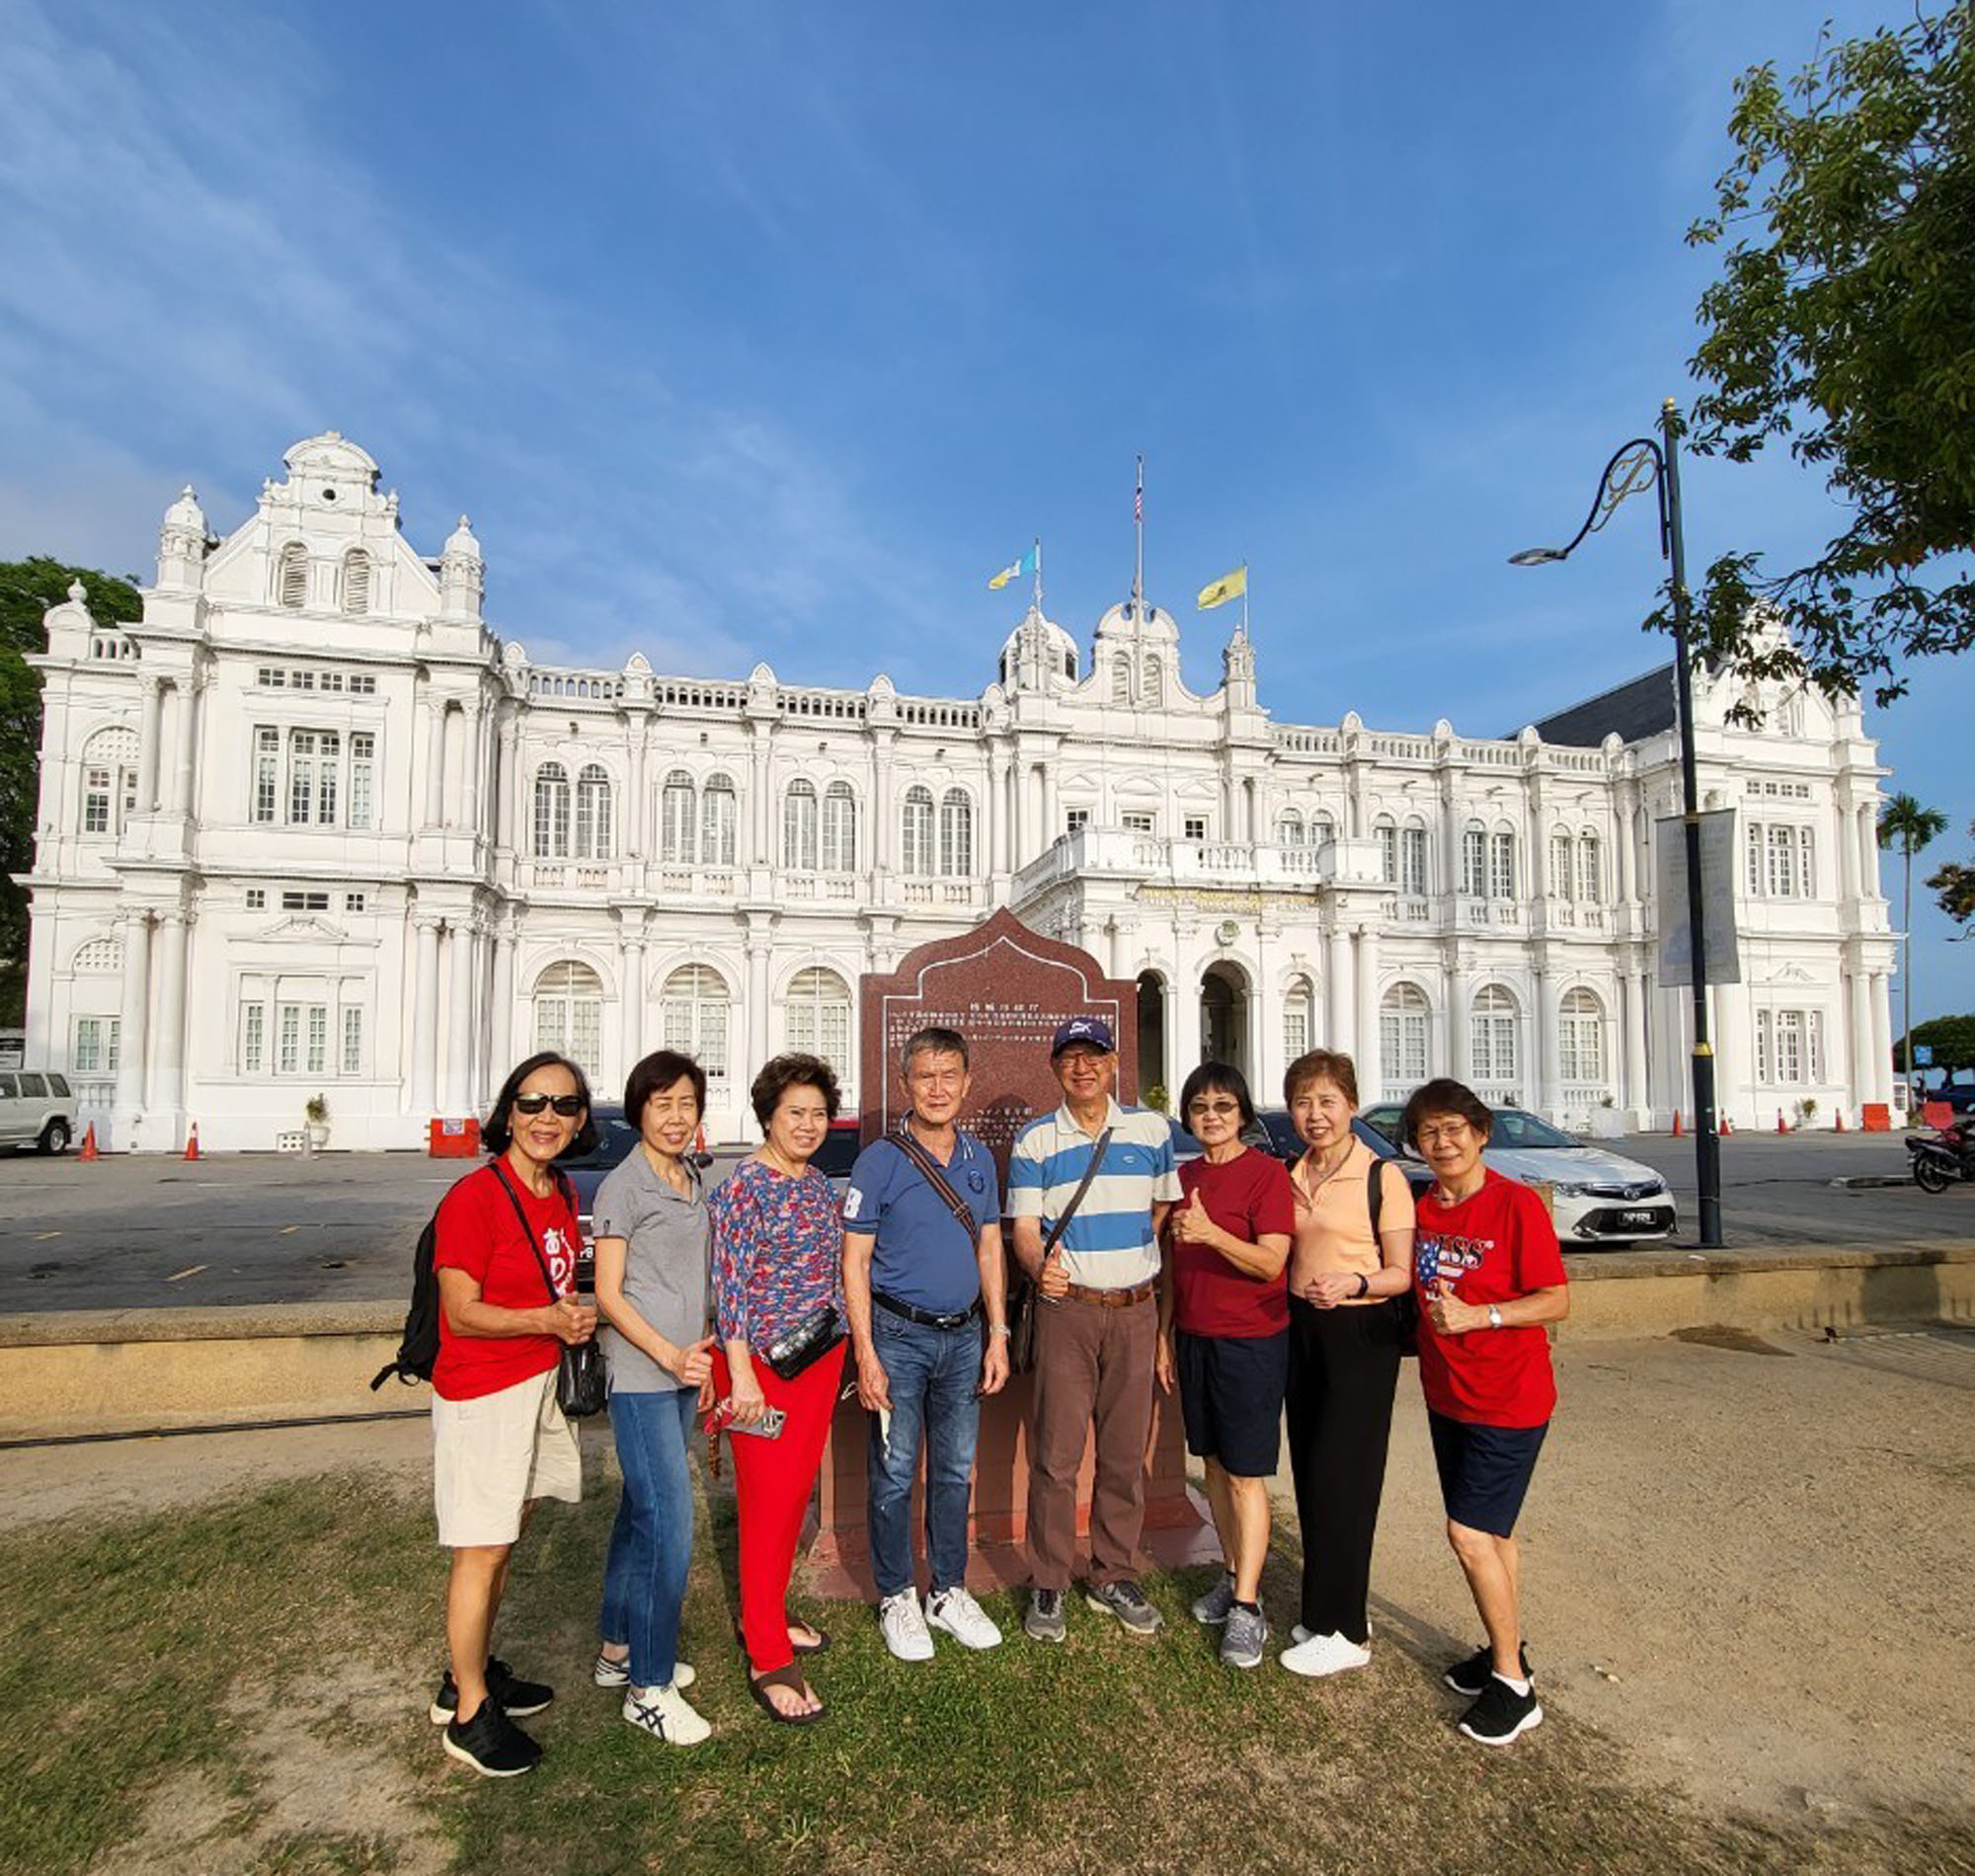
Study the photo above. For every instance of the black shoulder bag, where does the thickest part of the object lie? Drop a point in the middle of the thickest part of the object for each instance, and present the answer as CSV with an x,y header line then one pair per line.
x,y
582,1386
1405,1305
1022,1305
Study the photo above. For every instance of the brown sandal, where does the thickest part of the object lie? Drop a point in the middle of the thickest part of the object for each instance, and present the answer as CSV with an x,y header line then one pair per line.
x,y
789,1621
791,1678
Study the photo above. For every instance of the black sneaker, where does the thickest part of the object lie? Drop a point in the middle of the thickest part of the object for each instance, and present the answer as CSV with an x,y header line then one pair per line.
x,y
1126,1601
1471,1677
1501,1714
1044,1623
518,1698
491,1743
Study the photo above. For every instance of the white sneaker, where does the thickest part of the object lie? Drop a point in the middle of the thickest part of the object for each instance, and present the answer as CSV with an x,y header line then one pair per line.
x,y
963,1618
665,1713
905,1630
617,1674
1320,1655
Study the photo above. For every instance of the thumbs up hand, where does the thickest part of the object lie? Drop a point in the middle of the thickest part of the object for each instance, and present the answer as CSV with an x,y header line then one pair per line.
x,y
1192,1225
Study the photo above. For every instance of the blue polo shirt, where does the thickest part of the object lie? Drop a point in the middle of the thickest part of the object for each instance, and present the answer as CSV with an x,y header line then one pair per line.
x,y
921,1255
1109,1244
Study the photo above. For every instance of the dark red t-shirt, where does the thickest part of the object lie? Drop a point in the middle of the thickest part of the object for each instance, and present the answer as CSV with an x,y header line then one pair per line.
x,y
1249,1197
478,1233
1494,1247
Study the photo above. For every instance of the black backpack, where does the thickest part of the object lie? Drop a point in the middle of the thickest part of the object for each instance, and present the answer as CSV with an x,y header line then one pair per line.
x,y
417,1349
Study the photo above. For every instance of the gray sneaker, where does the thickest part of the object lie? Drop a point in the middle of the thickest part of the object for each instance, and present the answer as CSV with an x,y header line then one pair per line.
x,y
1126,1601
1243,1640
1210,1610
1044,1623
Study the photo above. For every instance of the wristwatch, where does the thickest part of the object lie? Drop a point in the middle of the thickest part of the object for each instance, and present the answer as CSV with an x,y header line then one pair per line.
x,y
1364,1285
1494,1317
997,1328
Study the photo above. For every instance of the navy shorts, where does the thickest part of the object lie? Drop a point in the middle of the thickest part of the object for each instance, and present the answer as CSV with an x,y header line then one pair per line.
x,y
1485,1471
1230,1395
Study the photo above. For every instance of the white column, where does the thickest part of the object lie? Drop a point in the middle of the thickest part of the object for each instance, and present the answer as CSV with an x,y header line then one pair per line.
x,y
1371,1072
1882,1038
185,752
1869,853
1184,1028
1636,1096
148,724
1457,1021
425,1017
1549,1056
631,981
507,782
1628,852
458,1091
637,819
1052,822
434,764
881,849
1859,1037
501,1026
998,812
759,853
469,808
133,1031
1339,999
756,1026
170,1034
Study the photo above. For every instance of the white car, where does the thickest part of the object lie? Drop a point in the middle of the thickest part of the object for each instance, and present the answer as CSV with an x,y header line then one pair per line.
x,y
1597,1197
35,1109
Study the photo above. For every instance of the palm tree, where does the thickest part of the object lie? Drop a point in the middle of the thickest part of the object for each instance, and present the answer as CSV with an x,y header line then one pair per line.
x,y
1904,822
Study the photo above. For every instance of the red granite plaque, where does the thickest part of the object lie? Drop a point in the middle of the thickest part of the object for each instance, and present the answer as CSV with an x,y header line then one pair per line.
x,y
1005,988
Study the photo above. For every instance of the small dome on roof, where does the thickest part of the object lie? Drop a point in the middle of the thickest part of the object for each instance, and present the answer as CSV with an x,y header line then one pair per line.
x,y
1041,638
461,541
186,513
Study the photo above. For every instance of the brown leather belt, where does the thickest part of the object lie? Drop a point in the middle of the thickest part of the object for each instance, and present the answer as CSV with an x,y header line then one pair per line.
x,y
1112,1298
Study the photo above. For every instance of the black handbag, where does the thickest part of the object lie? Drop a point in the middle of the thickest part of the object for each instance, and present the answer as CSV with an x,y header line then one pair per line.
x,y
583,1382
802,1347
1022,1305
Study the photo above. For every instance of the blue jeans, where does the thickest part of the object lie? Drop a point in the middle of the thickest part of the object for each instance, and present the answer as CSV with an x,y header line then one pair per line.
x,y
651,1543
932,1375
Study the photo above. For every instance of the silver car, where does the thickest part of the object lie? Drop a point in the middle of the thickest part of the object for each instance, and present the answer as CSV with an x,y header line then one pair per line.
x,y
1597,1197
37,1109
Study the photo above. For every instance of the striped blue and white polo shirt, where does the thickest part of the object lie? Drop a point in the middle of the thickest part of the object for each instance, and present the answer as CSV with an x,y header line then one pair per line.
x,y
1109,1244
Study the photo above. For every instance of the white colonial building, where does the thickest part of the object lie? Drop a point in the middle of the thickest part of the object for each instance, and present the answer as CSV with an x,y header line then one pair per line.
x,y
309,827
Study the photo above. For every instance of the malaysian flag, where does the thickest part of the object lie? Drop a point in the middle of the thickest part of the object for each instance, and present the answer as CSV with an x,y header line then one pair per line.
x,y
1138,495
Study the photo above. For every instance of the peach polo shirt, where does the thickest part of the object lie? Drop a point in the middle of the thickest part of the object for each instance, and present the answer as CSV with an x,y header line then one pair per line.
x,y
1334,1224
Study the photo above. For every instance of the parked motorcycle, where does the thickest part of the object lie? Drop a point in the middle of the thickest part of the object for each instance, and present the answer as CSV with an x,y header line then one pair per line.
x,y
1939,1159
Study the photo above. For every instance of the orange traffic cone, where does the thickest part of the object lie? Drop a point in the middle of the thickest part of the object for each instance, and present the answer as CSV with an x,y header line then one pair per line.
x,y
1727,1128
192,1142
1678,1128
699,1138
1783,1125
1839,1125
89,1143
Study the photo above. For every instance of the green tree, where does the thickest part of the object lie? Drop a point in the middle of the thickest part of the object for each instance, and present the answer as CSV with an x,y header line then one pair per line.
x,y
1953,887
1843,325
1951,1038
1906,825
28,588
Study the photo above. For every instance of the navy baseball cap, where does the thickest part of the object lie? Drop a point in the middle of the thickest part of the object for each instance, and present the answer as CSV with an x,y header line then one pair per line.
x,y
1087,1029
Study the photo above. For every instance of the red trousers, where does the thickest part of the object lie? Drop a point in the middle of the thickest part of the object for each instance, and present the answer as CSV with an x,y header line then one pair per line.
x,y
772,1483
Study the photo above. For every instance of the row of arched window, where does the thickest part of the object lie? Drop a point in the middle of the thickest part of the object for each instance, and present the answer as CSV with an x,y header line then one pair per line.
x,y
1494,1037
1488,867
353,584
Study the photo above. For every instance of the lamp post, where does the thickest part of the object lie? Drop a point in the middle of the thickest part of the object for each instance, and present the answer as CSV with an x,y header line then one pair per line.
x,y
1632,465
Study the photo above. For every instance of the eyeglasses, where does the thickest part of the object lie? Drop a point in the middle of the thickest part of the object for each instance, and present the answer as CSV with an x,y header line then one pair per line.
x,y
1219,1110
569,1106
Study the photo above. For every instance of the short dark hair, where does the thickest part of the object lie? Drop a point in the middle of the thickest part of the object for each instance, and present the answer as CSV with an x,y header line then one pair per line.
x,y
1320,1065
1215,1078
1444,1096
932,1041
793,1072
657,1072
499,1132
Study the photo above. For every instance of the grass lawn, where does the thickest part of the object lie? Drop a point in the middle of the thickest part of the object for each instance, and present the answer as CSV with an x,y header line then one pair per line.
x,y
241,1689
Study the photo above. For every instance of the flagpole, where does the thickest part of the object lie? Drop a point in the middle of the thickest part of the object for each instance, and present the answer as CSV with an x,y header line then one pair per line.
x,y
1139,528
1039,573
1244,599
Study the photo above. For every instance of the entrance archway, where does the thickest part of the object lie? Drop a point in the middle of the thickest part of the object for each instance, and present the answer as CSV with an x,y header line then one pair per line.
x,y
1153,1037
1224,1017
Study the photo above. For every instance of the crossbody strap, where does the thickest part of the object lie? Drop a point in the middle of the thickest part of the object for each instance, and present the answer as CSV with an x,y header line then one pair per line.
x,y
936,1178
1076,1198
527,1230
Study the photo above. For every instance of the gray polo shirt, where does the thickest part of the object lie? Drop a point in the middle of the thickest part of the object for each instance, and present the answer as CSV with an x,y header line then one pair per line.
x,y
666,1240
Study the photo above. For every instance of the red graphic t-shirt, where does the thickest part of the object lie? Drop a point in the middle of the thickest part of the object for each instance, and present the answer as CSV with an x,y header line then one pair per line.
x,y
1494,1247
478,1233
1249,1197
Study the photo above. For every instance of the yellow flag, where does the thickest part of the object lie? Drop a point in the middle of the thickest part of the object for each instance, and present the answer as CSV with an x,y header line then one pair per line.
x,y
1228,587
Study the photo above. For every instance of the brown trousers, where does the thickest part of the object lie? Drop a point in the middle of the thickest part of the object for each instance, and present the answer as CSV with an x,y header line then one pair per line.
x,y
1092,1364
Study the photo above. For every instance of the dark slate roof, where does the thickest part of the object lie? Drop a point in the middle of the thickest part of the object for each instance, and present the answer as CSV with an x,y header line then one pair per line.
x,y
1641,708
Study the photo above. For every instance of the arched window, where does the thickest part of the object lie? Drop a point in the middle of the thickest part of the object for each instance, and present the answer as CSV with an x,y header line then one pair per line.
x,y
1559,864
677,833
1299,1018
915,830
1491,1035
1590,869
98,957
568,1014
799,828
839,828
1502,865
1322,829
356,580
719,815
1580,1038
1412,859
693,1017
1474,861
1387,834
1289,830
956,834
1151,680
592,812
292,574
1403,1016
818,1017
109,781
552,811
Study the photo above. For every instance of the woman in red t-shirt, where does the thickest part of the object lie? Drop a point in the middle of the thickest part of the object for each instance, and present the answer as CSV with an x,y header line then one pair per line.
x,y
1490,1276
499,1442
1227,1242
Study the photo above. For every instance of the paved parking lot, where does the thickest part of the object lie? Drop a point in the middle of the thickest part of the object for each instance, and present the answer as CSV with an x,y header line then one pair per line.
x,y
242,1230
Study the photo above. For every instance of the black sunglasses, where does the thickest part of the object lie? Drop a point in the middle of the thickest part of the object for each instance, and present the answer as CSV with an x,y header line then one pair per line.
x,y
569,1106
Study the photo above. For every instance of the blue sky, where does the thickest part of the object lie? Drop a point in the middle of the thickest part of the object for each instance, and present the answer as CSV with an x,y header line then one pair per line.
x,y
748,331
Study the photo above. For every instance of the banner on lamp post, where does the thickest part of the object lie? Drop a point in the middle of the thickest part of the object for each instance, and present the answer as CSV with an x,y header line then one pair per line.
x,y
1718,894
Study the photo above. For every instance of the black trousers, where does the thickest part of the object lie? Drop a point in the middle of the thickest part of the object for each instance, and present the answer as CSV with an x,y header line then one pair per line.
x,y
1344,1367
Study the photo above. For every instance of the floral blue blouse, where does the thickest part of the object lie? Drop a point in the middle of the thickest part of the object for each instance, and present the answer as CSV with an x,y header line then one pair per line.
x,y
777,1252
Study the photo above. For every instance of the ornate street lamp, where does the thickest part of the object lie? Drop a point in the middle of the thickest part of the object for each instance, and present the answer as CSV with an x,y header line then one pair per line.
x,y
1633,467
